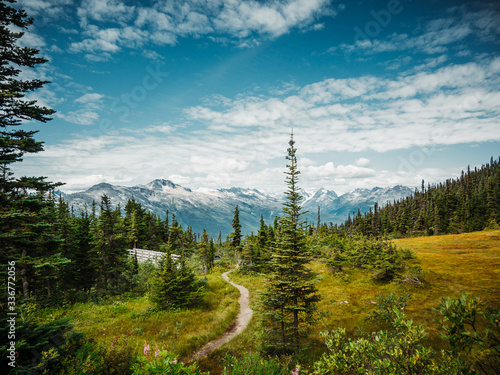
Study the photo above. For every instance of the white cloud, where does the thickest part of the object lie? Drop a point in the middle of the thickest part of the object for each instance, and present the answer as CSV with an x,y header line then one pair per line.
x,y
30,39
448,105
342,171
435,37
238,21
45,8
80,117
105,10
362,162
89,98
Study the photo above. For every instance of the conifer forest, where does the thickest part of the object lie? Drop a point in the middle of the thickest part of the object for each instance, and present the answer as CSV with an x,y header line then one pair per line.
x,y
410,287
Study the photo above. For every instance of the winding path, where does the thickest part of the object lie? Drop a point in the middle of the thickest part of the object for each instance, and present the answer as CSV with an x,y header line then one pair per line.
x,y
238,326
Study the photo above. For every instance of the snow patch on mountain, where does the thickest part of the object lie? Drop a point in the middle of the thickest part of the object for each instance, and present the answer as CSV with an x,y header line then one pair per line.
x,y
213,209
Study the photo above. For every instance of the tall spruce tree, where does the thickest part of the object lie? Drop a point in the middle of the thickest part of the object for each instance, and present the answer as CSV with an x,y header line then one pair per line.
x,y
289,300
110,246
236,235
204,252
26,205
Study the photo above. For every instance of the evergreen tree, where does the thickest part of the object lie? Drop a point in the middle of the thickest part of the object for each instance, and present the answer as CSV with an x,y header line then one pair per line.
x,y
83,272
175,242
175,285
211,254
133,232
290,296
110,247
27,235
204,249
236,235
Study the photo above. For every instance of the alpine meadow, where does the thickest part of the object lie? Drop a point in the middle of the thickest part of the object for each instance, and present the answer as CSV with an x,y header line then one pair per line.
x,y
110,264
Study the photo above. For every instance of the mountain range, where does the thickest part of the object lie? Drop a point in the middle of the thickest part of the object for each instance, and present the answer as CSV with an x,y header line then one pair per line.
x,y
213,210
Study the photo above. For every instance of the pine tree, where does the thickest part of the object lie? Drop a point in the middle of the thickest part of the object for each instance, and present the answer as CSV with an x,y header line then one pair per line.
x,y
133,232
175,285
211,254
290,297
83,268
110,247
27,235
262,256
204,250
236,235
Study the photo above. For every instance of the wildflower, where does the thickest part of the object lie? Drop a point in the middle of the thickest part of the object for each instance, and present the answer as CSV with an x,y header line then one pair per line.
x,y
157,351
147,349
296,371
104,330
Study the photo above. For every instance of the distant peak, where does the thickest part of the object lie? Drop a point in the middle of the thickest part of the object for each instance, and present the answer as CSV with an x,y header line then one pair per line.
x,y
323,191
102,185
160,184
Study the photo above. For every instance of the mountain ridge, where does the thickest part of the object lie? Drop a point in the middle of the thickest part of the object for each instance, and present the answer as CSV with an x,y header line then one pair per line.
x,y
213,209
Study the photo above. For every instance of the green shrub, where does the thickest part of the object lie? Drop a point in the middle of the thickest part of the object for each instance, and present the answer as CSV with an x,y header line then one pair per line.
x,y
472,329
380,256
397,350
160,363
175,286
256,365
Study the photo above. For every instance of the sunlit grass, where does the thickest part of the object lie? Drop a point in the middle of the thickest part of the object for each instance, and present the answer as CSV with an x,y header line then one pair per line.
x,y
452,264
134,321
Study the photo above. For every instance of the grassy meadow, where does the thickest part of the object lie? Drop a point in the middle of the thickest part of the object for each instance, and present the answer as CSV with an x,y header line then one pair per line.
x,y
133,321
452,265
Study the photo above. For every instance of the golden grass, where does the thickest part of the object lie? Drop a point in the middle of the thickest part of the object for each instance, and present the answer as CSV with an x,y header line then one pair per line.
x,y
452,264
455,264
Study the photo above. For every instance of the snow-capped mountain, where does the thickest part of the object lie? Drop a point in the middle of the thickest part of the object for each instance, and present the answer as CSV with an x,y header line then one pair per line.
x,y
213,210
336,209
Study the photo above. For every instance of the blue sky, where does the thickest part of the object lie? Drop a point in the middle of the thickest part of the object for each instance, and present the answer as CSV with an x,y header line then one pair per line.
x,y
206,92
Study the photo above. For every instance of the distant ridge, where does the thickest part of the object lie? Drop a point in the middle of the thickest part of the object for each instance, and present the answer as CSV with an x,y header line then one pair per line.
x,y
213,209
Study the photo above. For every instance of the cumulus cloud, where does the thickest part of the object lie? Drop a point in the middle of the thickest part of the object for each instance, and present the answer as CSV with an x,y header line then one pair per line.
x,y
448,105
239,21
45,8
243,141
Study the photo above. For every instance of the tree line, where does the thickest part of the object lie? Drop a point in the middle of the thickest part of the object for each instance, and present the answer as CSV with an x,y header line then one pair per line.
x,y
468,203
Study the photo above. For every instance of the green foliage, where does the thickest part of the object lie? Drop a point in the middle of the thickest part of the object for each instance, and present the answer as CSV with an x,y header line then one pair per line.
x,y
162,363
398,350
289,300
256,365
387,305
466,204
379,256
109,246
175,286
93,359
236,234
55,348
472,328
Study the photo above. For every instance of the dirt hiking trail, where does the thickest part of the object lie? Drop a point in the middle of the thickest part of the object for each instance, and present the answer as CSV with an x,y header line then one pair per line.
x,y
238,326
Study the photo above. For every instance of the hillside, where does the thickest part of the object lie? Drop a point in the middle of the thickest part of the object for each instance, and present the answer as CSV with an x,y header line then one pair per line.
x,y
468,203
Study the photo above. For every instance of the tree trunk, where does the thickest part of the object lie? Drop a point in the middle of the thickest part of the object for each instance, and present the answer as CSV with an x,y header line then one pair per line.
x,y
24,277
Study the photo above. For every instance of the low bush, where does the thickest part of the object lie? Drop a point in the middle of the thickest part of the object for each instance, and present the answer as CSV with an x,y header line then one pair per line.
x,y
397,350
